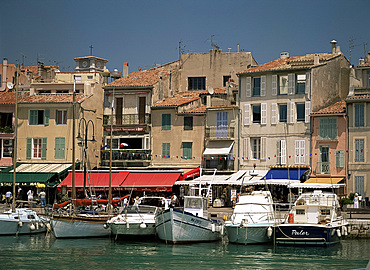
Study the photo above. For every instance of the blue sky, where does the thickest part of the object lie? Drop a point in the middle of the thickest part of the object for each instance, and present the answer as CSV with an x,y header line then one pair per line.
x,y
147,33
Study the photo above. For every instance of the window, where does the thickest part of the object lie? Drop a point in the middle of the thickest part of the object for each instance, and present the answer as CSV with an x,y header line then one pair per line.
x,y
359,185
256,148
78,79
62,91
300,112
256,114
197,83
283,116
166,150
256,87
325,212
7,148
6,120
281,152
59,148
301,84
300,211
39,117
339,159
188,123
283,85
359,150
222,124
61,117
359,114
368,78
226,79
328,128
166,121
36,148
89,77
187,152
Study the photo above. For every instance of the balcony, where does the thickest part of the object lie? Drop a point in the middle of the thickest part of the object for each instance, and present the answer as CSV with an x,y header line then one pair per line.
x,y
7,129
120,157
220,132
323,168
127,119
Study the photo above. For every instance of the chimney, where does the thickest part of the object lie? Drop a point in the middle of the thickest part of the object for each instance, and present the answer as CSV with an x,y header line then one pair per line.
x,y
361,61
316,59
125,70
237,47
284,55
3,78
333,46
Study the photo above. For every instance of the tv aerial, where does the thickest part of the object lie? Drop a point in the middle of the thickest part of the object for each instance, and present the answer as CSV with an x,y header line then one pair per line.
x,y
9,85
211,90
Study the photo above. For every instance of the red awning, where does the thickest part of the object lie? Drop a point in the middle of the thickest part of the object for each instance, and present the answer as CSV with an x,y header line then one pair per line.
x,y
97,179
190,174
151,181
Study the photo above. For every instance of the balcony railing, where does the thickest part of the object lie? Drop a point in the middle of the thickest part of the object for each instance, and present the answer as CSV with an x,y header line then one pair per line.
x,y
127,119
323,168
220,132
126,155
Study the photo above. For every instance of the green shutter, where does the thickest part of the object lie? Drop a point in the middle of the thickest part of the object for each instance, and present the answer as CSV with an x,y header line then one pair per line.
x,y
187,150
33,117
166,150
166,121
29,148
46,117
43,148
59,148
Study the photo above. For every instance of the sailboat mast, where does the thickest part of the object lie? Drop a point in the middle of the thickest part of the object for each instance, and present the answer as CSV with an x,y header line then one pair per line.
x,y
15,136
110,154
73,144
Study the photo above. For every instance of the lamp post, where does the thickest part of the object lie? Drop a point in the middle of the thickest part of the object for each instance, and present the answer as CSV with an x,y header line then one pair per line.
x,y
84,141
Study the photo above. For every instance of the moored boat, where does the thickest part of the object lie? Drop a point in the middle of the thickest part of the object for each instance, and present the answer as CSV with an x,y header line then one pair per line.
x,y
252,219
313,220
189,225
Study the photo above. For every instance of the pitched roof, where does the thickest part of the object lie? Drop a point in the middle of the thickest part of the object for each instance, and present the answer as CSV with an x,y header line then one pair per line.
x,y
90,56
179,99
365,65
198,110
9,97
52,98
142,78
339,107
293,62
358,97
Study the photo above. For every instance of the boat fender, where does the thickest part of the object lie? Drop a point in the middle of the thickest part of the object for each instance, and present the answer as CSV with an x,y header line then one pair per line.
x,y
48,226
224,217
127,225
106,226
32,226
20,223
37,226
338,233
222,230
332,232
269,232
344,230
142,225
213,227
42,225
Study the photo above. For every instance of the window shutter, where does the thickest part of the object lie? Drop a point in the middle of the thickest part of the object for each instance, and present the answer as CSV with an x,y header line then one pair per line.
x,y
296,152
299,154
283,152
290,112
339,159
46,117
302,152
248,89
291,83
247,148
33,117
59,148
263,113
263,148
308,83
307,107
29,148
263,86
247,109
43,148
273,113
274,85
359,185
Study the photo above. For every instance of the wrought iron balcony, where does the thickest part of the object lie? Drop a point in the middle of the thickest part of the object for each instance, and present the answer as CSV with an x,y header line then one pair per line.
x,y
214,132
126,155
323,168
127,119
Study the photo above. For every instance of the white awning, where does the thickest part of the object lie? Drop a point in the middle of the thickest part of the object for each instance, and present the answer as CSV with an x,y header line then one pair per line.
x,y
218,148
42,167
315,185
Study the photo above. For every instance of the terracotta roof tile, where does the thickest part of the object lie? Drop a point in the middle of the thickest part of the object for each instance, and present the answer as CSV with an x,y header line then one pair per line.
x,y
365,65
293,62
138,78
179,99
201,109
339,107
51,98
358,97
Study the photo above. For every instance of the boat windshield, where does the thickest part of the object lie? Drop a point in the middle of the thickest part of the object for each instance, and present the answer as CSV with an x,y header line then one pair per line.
x,y
193,203
132,209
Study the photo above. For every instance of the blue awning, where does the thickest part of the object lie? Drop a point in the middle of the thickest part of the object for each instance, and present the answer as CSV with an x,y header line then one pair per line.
x,y
291,174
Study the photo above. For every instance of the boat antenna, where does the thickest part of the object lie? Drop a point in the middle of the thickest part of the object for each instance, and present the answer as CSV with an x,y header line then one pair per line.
x,y
110,157
15,137
73,143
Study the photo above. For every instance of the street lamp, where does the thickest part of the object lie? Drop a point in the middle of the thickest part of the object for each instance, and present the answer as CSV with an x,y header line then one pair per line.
x,y
84,143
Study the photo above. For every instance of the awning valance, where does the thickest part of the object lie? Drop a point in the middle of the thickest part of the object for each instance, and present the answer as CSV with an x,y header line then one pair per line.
x,y
325,180
191,174
97,179
26,178
290,174
218,148
153,181
315,185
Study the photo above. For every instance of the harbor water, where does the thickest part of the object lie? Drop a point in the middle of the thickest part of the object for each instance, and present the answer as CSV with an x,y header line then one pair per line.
x,y
46,252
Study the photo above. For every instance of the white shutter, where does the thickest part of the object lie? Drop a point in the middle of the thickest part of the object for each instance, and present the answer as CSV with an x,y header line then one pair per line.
x,y
274,85
273,113
263,113
290,112
299,154
246,148
248,89
291,83
247,109
283,152
296,152
307,109
263,86
302,152
263,148
308,83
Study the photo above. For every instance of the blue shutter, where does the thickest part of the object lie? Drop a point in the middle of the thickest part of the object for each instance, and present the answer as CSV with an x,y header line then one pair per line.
x,y
43,148
59,148
359,185
29,148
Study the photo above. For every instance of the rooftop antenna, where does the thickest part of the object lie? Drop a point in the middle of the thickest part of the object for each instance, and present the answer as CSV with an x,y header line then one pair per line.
x,y
365,52
213,45
181,49
351,46
23,58
91,49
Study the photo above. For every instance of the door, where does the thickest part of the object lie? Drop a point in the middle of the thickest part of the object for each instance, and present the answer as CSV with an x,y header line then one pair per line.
x,y
142,105
119,111
325,168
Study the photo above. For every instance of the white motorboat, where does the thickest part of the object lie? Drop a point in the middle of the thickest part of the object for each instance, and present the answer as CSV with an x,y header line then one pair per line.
x,y
138,219
188,225
252,219
313,220
22,221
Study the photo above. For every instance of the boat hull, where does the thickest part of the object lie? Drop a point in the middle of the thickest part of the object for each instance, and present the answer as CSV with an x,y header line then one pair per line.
x,y
23,221
249,234
175,226
306,234
68,227
133,229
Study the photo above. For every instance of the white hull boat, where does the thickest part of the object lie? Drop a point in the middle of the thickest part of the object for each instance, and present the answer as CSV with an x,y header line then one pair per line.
x,y
188,226
252,219
22,221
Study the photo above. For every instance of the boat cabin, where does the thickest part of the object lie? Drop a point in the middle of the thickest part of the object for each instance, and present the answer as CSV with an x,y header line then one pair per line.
x,y
195,205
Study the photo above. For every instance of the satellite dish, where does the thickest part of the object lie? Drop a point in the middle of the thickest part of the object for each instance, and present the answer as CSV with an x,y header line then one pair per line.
x,y
9,85
210,90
